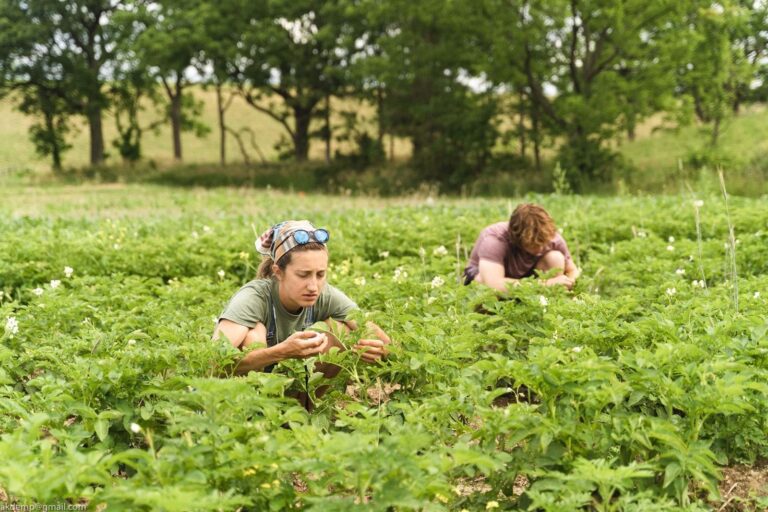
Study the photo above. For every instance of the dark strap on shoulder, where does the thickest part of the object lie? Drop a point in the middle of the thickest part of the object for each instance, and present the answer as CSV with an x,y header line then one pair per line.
x,y
271,333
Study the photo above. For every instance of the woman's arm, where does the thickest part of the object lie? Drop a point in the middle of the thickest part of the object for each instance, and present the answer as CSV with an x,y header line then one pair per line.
x,y
491,274
571,270
298,345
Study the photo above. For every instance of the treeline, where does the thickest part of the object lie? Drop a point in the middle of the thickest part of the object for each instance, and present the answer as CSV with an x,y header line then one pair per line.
x,y
460,79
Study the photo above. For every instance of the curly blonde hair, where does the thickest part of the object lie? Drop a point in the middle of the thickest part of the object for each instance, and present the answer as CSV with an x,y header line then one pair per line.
x,y
530,226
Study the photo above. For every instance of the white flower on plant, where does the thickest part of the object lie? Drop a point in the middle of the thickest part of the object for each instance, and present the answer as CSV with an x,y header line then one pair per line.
x,y
437,282
376,275
670,248
384,254
642,234
11,325
221,274
195,235
55,283
440,251
430,300
131,342
135,428
206,229
680,271
756,295
671,291
399,274
360,281
422,252
38,291
576,349
68,271
116,247
698,203
543,301
671,239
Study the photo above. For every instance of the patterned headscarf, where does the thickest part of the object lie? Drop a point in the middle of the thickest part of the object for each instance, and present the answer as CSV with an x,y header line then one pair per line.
x,y
277,240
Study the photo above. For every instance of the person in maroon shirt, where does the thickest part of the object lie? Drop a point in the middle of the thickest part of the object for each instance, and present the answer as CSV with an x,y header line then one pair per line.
x,y
527,245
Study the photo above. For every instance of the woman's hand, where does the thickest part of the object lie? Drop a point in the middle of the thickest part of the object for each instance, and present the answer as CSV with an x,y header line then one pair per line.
x,y
373,350
303,344
562,279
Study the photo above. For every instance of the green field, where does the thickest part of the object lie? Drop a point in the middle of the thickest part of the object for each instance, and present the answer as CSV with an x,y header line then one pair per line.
x,y
643,389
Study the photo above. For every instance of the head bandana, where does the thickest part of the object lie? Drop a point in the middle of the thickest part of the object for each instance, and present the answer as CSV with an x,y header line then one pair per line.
x,y
278,239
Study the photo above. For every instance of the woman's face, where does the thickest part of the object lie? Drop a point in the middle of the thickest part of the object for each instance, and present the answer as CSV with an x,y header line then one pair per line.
x,y
303,279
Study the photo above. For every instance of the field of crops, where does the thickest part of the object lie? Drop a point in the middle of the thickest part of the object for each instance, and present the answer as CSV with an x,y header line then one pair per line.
x,y
630,393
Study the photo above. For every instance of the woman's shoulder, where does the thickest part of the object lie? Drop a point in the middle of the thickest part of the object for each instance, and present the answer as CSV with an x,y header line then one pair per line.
x,y
334,302
257,287
497,230
329,292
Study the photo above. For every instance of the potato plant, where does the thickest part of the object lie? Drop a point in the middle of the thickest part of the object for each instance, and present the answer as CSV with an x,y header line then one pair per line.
x,y
627,394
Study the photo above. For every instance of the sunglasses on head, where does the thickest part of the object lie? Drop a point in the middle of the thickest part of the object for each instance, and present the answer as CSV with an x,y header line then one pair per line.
x,y
302,236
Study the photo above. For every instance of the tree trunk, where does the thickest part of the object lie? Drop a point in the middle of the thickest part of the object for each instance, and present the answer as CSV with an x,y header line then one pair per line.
x,y
327,129
176,125
96,132
222,126
715,131
536,134
380,111
631,135
521,126
302,116
50,127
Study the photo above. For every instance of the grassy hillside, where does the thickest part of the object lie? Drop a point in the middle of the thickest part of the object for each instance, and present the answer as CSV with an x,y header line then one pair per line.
x,y
17,152
743,138
655,153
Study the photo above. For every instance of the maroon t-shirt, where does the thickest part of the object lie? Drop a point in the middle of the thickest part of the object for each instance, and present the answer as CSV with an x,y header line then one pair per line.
x,y
493,245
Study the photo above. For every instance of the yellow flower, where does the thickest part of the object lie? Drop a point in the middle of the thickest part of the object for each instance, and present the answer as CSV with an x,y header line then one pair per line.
x,y
491,504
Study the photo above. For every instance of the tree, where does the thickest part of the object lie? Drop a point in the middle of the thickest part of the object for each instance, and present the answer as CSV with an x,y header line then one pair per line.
x,y
31,70
717,69
420,65
169,42
221,25
129,90
293,56
751,40
87,31
588,69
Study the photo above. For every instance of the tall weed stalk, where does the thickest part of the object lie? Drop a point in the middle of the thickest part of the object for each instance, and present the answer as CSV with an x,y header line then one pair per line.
x,y
731,262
